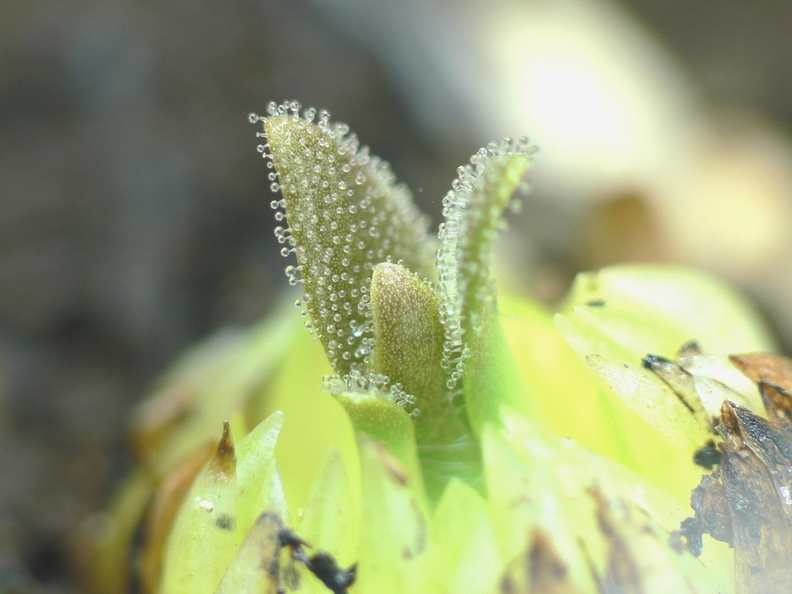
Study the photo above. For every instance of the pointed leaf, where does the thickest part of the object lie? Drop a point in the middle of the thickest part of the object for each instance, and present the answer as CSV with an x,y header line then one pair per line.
x,y
331,520
204,537
462,555
256,472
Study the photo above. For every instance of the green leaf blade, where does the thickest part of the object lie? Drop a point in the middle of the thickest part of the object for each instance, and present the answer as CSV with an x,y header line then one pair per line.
x,y
474,211
345,215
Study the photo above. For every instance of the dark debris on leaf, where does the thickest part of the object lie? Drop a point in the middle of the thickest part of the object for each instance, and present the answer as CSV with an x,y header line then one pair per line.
x,y
707,455
689,349
322,564
649,361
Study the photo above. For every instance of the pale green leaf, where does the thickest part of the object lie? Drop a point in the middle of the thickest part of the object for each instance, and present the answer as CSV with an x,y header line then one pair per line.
x,y
394,523
257,482
331,519
654,401
463,555
643,309
491,376
389,424
568,491
716,378
204,537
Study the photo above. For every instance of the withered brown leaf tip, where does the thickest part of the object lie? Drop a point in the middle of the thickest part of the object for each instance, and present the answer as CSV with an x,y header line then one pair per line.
x,y
747,500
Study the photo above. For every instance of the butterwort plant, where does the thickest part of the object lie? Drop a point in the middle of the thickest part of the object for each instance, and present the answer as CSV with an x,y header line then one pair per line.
x,y
429,434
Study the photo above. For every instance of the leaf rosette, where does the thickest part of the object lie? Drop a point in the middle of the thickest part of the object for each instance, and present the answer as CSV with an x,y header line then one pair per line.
x,y
434,436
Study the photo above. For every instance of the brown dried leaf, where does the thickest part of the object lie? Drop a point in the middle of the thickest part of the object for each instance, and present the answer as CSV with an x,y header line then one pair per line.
x,y
747,501
767,368
773,375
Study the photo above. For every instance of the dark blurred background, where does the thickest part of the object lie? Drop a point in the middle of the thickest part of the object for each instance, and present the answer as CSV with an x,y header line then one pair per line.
x,y
134,215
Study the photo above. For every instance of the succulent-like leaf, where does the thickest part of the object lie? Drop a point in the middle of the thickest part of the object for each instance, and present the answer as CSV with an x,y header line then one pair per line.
x,y
345,215
258,485
226,497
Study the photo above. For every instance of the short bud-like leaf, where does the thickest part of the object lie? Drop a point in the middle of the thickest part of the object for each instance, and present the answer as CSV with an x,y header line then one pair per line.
x,y
407,332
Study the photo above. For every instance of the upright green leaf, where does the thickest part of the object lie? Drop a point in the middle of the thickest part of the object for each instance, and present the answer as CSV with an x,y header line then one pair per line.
x,y
258,485
473,210
345,215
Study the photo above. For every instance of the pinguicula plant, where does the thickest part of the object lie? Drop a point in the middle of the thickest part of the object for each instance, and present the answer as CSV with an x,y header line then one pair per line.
x,y
435,436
